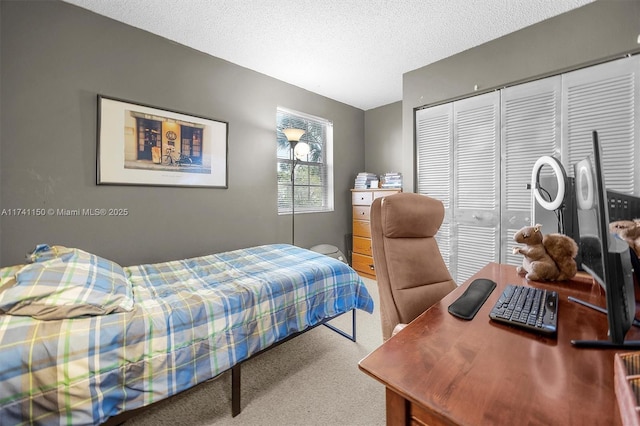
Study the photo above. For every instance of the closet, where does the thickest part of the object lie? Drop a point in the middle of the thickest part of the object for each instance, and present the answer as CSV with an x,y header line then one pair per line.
x,y
476,154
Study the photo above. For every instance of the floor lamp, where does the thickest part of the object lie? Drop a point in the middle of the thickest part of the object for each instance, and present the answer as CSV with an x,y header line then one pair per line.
x,y
298,150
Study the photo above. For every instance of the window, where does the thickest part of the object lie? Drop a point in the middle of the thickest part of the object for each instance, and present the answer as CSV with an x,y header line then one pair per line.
x,y
314,172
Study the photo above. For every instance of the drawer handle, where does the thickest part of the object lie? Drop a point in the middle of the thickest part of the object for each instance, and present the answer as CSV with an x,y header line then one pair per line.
x,y
372,267
362,213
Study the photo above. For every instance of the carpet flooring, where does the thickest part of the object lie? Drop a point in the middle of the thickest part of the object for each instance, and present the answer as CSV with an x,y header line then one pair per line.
x,y
311,380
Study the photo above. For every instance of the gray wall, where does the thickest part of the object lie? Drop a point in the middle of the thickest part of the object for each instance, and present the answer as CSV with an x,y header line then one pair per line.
x,y
383,139
0,130
55,59
605,29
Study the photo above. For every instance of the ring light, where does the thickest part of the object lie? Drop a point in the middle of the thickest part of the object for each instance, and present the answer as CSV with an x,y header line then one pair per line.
x,y
584,180
561,176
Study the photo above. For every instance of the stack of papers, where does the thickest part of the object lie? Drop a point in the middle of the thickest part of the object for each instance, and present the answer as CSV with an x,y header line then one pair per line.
x,y
366,180
392,180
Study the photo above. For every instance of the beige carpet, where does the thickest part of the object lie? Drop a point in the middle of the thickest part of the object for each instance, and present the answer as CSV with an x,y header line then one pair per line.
x,y
311,380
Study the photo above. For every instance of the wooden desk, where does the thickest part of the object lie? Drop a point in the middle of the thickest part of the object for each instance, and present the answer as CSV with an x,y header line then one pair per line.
x,y
444,370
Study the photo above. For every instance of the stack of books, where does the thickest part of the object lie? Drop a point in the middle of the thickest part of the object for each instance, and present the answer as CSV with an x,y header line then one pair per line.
x,y
392,180
366,180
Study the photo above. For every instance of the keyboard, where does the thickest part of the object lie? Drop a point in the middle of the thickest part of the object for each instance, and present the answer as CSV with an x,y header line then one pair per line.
x,y
527,307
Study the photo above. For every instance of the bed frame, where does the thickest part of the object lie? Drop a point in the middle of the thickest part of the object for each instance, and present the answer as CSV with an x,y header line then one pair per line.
x,y
236,370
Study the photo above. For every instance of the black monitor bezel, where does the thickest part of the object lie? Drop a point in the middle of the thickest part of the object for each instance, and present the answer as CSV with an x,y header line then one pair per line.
x,y
615,264
618,326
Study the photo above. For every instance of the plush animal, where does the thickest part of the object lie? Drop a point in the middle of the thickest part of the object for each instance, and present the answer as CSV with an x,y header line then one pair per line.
x,y
629,231
546,258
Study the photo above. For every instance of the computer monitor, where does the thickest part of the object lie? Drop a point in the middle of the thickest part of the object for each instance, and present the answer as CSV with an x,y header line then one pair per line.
x,y
605,257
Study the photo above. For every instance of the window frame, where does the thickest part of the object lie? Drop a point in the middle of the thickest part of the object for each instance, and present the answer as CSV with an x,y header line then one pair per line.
x,y
304,182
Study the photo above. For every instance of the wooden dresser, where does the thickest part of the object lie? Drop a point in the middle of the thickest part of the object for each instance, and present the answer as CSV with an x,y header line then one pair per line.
x,y
362,256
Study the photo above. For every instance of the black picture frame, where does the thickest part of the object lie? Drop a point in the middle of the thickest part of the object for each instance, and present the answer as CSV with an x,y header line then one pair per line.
x,y
141,144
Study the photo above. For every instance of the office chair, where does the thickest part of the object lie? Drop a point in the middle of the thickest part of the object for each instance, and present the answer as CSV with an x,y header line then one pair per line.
x,y
410,271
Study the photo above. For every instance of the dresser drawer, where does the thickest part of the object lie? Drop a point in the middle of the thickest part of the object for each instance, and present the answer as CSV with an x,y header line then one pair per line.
x,y
362,263
361,228
362,245
361,212
361,198
378,194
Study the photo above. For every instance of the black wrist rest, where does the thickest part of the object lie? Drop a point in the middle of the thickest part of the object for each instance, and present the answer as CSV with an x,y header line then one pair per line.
x,y
467,305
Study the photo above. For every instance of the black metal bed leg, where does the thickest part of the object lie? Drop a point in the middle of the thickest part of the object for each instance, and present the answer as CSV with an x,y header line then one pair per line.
x,y
236,372
235,390
352,336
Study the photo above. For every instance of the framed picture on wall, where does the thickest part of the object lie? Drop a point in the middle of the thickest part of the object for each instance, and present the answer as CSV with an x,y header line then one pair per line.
x,y
145,145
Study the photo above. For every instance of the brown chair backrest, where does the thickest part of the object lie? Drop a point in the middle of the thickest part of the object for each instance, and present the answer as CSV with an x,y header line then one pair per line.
x,y
410,271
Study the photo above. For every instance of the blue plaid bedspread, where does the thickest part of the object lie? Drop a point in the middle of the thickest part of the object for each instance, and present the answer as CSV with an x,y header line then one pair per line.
x,y
192,320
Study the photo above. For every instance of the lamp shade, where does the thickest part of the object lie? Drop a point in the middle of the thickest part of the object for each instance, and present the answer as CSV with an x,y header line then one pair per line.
x,y
293,135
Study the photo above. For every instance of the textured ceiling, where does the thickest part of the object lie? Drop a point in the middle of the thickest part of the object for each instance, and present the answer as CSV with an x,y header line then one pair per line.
x,y
353,51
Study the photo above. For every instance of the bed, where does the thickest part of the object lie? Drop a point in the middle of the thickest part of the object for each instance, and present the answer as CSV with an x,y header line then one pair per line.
x,y
83,339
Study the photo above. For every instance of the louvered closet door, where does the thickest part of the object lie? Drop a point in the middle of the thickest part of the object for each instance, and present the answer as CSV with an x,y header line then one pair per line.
x,y
476,202
605,98
434,139
530,118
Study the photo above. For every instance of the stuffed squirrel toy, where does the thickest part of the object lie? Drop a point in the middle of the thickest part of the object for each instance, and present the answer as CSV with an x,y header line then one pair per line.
x,y
546,258
629,231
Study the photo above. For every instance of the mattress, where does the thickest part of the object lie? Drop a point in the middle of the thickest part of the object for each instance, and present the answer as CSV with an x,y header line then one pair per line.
x,y
190,320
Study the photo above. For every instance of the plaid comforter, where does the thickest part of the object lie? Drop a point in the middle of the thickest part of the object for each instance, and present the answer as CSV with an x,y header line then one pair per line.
x,y
192,320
